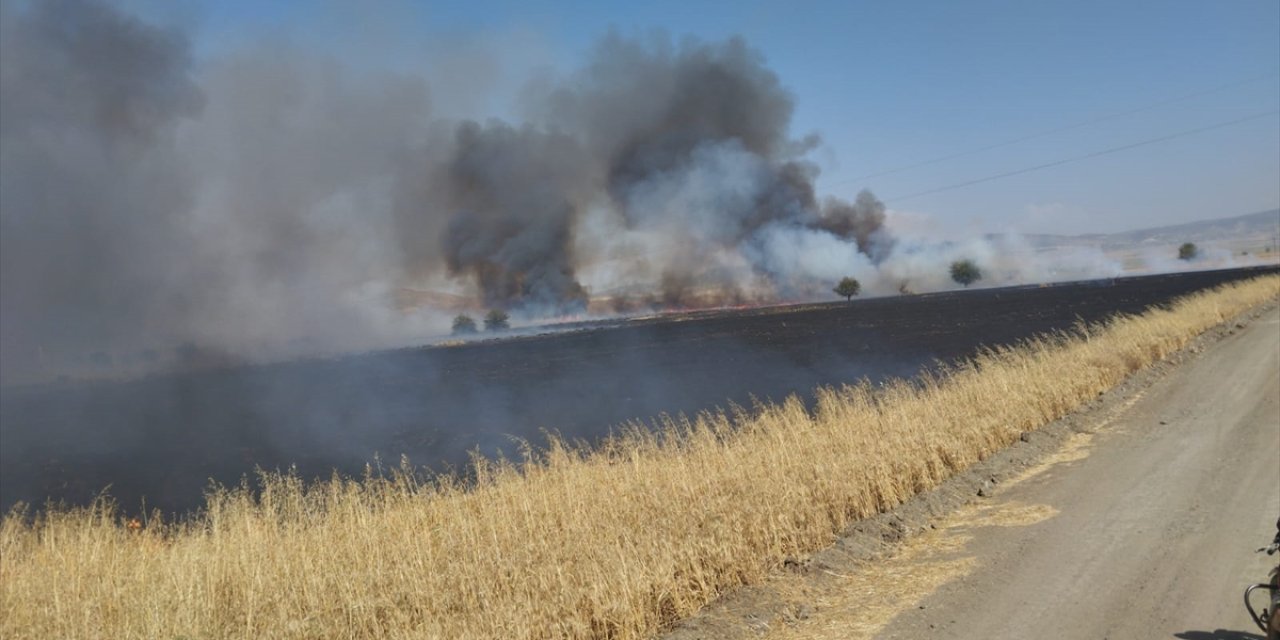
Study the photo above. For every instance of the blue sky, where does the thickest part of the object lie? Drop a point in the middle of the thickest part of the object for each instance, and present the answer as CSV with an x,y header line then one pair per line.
x,y
891,84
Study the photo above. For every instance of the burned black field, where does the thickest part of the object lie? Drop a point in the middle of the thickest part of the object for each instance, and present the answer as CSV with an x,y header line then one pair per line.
x,y
164,437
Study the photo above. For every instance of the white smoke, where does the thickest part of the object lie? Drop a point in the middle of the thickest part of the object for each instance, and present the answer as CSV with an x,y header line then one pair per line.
x,y
280,196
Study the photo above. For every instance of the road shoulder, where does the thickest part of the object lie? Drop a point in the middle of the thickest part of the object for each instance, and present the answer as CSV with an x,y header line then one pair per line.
x,y
893,564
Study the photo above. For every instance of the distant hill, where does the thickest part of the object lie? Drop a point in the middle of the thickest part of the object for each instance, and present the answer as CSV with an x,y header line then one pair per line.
x,y
1261,228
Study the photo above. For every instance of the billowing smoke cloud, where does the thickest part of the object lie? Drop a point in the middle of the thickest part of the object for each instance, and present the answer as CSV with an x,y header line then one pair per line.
x,y
147,204
90,177
298,161
667,166
513,197
275,200
863,221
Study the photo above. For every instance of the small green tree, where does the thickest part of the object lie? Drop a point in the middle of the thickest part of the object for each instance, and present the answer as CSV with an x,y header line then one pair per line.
x,y
1188,251
497,320
848,288
463,325
965,272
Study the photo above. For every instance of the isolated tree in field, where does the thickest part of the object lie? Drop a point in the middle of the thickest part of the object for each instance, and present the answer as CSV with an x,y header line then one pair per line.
x,y
463,324
1188,251
848,288
965,272
496,320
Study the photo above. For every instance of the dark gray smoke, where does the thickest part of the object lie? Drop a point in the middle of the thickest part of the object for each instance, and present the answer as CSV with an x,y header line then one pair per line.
x,y
862,222
678,155
646,106
90,178
154,212
514,197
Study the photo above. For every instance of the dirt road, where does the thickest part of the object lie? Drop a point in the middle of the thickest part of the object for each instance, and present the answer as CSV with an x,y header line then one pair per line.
x,y
1147,530
1136,517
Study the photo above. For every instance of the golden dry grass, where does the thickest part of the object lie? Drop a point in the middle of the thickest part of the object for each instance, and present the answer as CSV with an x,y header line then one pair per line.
x,y
614,543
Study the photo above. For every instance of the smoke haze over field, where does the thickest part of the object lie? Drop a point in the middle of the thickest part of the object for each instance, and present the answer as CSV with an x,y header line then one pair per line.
x,y
278,197
90,180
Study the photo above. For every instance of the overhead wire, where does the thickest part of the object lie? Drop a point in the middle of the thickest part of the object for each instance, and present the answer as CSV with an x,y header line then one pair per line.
x,y
1067,127
1086,156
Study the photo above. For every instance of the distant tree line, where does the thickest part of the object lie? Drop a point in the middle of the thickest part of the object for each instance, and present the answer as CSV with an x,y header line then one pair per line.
x,y
965,272
495,320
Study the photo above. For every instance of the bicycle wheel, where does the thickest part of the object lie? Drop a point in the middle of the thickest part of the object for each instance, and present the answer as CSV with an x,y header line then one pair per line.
x,y
1273,621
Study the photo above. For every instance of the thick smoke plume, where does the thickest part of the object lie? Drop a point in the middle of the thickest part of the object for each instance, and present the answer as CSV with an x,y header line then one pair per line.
x,y
90,178
669,166
513,197
274,200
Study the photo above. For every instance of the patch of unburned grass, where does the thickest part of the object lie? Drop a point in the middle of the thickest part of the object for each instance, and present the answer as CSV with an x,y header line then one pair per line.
x,y
611,543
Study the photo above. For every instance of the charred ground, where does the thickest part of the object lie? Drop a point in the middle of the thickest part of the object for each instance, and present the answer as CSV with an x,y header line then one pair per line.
x,y
163,438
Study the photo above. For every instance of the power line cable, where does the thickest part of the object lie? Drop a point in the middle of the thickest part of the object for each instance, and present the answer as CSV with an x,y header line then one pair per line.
x,y
1068,127
1086,156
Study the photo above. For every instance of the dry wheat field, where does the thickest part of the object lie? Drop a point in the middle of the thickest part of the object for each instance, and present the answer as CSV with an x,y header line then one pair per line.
x,y
614,542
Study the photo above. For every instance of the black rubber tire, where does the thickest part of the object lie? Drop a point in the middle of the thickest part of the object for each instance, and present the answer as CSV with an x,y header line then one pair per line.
x,y
1273,622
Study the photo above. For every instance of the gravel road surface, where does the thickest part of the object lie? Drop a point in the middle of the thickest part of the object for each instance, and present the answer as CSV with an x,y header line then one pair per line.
x,y
1150,532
